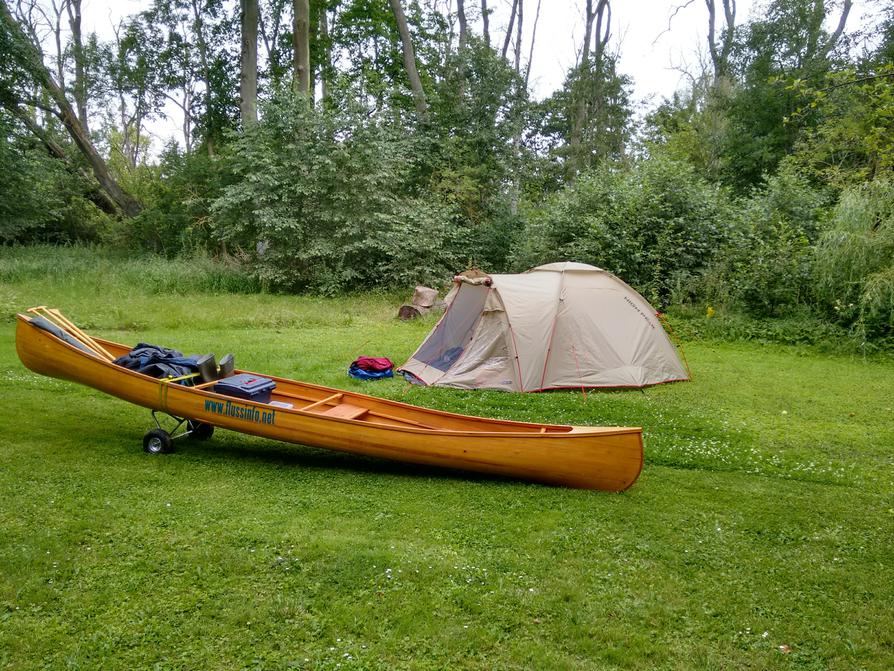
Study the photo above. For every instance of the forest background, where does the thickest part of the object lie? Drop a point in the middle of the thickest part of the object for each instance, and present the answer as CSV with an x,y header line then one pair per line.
x,y
341,145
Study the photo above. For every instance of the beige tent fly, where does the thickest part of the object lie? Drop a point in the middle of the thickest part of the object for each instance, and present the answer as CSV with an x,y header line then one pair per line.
x,y
561,325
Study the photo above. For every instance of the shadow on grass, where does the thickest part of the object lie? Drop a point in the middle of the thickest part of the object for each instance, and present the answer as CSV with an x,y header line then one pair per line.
x,y
250,450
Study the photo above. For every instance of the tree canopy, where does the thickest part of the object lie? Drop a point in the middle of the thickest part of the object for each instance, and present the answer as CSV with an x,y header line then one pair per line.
x,y
329,145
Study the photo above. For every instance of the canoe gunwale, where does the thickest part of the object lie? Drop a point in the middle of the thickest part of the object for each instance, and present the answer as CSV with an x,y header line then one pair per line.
x,y
605,458
527,429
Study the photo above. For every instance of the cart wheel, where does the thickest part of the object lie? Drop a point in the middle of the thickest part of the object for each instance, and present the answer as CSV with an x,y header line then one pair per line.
x,y
157,441
199,430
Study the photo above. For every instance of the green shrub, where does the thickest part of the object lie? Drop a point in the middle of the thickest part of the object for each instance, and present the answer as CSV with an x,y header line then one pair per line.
x,y
799,327
177,196
40,200
324,202
855,259
657,226
766,268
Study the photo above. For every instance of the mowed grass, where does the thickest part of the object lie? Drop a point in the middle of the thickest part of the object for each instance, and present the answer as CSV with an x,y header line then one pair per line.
x,y
758,536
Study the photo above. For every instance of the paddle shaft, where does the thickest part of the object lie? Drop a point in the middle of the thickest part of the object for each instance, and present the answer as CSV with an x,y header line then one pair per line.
x,y
60,320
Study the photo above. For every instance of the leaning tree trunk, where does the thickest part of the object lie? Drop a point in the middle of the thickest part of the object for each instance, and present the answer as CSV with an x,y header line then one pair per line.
x,y
531,51
32,62
508,37
248,81
301,47
93,192
80,84
410,60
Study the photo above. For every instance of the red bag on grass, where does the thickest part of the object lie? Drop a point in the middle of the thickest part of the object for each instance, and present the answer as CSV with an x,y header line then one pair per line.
x,y
377,364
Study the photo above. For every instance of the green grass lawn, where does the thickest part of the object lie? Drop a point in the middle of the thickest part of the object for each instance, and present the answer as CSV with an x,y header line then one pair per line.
x,y
764,516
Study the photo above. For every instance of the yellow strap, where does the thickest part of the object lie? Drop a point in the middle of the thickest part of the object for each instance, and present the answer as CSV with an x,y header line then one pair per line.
x,y
182,377
163,389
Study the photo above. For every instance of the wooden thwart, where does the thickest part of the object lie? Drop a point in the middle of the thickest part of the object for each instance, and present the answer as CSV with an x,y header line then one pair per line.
x,y
345,411
322,401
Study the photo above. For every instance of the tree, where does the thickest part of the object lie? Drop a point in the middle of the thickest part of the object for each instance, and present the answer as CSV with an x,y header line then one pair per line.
x,y
786,44
406,41
851,141
211,28
132,84
26,58
301,47
248,81
720,53
596,96
73,7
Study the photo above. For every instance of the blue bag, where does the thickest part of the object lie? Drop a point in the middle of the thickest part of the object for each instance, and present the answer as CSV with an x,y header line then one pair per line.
x,y
359,373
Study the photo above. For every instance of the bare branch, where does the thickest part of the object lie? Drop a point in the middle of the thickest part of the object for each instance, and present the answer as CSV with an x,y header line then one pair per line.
x,y
676,11
533,39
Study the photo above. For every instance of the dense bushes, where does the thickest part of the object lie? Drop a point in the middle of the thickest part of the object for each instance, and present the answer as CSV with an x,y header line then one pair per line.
x,y
40,199
766,267
680,240
855,259
658,226
325,202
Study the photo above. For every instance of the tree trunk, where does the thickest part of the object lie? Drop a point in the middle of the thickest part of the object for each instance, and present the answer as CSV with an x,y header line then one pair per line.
x,y
485,17
80,84
248,81
301,47
326,65
93,192
578,99
410,60
834,37
720,56
202,47
33,64
518,36
602,38
531,51
56,27
509,29
463,27
582,94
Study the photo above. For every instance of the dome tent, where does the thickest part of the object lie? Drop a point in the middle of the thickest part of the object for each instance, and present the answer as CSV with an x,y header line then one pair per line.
x,y
556,326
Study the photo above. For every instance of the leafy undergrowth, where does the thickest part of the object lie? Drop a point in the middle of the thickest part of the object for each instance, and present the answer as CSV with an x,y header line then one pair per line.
x,y
758,536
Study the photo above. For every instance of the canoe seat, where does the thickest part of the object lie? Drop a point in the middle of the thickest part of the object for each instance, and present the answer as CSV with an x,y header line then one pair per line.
x,y
345,411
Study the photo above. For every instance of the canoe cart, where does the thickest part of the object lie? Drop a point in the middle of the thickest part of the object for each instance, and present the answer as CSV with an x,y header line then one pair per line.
x,y
606,458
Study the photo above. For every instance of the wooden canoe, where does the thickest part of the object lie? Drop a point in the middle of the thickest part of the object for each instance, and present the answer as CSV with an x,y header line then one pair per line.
x,y
587,457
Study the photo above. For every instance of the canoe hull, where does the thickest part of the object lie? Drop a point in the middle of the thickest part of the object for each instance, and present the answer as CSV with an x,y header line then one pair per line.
x,y
586,457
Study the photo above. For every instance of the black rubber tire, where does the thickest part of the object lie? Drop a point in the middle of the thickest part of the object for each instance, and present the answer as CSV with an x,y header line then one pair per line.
x,y
200,430
158,441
